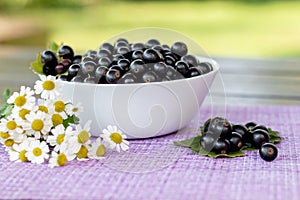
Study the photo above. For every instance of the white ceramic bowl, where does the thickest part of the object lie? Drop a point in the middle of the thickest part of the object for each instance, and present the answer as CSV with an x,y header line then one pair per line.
x,y
142,110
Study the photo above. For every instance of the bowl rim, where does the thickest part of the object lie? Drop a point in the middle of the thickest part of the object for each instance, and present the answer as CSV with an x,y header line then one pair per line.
x,y
214,63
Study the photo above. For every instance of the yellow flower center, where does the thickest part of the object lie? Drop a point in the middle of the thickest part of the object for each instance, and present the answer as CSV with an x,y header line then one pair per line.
x,y
37,151
60,138
37,125
9,142
59,106
116,138
4,135
83,152
43,109
83,137
11,125
23,113
101,150
61,159
22,156
20,101
57,119
48,85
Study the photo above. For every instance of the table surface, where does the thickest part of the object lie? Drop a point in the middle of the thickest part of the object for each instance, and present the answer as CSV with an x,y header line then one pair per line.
x,y
262,90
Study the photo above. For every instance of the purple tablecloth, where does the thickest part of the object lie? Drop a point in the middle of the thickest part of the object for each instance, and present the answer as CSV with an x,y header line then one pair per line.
x,y
155,169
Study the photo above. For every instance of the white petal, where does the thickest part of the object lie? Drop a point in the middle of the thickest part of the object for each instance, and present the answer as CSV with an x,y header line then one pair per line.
x,y
118,148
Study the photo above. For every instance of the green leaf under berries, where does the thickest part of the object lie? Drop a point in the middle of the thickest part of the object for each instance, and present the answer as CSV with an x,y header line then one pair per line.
x,y
37,66
194,145
70,120
53,46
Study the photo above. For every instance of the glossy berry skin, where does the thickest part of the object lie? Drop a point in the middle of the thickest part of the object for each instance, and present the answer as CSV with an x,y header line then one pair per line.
x,y
137,46
61,68
119,44
49,70
90,79
88,58
149,77
205,67
220,127
113,75
242,130
206,125
191,60
77,79
123,50
104,61
183,68
268,152
88,68
63,77
107,46
77,59
128,78
151,56
104,53
259,137
250,125
170,60
49,58
221,146
66,51
172,74
137,67
152,42
122,40
137,54
101,71
179,48
158,48
116,58
124,64
160,68
73,70
236,141
261,127
194,71
207,141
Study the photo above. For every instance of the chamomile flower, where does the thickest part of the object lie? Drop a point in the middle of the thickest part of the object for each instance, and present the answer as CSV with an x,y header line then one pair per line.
x,y
37,123
81,137
20,112
37,151
61,158
44,106
10,125
74,109
48,87
115,138
59,105
60,135
97,150
23,99
18,152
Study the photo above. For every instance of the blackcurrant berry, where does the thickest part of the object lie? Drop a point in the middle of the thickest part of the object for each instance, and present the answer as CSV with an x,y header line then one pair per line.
x,y
60,68
128,78
88,68
206,125
160,68
149,76
124,64
194,71
170,60
137,54
268,152
152,56
77,59
221,146
137,46
91,53
183,68
179,48
123,50
205,67
78,79
250,125
107,46
113,75
207,141
49,58
191,60
66,51
122,40
158,48
104,61
242,130
152,42
236,141
104,53
116,58
90,79
220,127
261,127
137,67
101,71
73,69
49,70
63,77
119,44
88,58
259,137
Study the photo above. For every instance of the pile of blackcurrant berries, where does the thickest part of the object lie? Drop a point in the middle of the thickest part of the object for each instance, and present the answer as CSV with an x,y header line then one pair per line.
x,y
124,62
221,137
60,62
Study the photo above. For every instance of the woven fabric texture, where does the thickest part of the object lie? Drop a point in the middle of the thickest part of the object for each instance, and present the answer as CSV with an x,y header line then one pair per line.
x,y
155,169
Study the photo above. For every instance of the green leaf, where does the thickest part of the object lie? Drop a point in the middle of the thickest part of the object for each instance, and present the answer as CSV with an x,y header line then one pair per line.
x,y
37,66
186,143
53,46
6,95
6,110
70,120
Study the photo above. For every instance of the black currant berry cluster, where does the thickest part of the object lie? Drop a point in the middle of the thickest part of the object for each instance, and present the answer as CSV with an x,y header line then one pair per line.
x,y
125,62
222,137
54,64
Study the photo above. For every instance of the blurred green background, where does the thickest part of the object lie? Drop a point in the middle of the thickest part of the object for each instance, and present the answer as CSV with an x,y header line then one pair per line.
x,y
223,28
